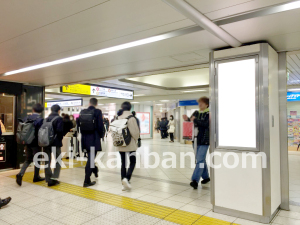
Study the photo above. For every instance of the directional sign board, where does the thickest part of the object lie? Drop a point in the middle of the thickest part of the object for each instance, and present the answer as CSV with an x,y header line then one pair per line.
x,y
95,90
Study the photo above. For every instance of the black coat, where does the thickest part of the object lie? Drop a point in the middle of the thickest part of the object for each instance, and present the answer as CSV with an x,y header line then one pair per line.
x,y
202,122
68,125
89,140
164,125
38,122
58,127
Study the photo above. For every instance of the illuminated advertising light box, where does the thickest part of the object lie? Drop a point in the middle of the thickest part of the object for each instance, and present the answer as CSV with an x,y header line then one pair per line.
x,y
2,152
65,103
99,91
144,118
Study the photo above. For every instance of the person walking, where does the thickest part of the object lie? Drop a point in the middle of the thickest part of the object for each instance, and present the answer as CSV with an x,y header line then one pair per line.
x,y
201,122
90,124
157,125
55,147
32,148
163,128
171,130
130,150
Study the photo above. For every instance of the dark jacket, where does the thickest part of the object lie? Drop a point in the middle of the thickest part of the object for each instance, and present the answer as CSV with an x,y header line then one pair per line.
x,y
68,125
38,122
89,140
202,122
0,131
58,127
164,125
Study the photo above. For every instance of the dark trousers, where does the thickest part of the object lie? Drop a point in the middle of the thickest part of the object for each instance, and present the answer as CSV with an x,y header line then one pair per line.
x,y
30,152
164,133
172,136
48,171
132,158
90,167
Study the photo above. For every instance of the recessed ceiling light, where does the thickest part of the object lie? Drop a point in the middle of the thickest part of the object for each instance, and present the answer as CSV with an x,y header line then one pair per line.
x,y
193,91
91,54
294,89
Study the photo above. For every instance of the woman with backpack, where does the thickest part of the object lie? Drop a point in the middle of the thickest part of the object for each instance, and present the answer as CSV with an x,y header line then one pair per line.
x,y
131,148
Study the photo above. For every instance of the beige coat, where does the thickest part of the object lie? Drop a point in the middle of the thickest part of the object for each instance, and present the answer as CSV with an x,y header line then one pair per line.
x,y
134,131
171,126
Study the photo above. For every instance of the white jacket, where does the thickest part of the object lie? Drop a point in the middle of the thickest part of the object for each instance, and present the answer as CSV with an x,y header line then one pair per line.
x,y
134,131
171,126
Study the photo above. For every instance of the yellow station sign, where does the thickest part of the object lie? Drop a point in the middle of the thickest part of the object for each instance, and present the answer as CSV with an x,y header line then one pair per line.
x,y
81,89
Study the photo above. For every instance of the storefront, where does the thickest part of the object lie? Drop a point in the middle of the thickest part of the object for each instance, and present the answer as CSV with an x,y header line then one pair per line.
x,y
293,114
16,101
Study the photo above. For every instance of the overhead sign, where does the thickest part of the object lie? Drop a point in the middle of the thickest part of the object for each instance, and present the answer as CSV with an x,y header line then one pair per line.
x,y
293,96
100,91
188,103
65,103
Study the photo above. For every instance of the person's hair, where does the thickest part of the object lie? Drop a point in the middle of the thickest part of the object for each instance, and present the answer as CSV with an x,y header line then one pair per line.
x,y
66,117
172,117
204,100
126,106
94,101
133,113
55,108
38,108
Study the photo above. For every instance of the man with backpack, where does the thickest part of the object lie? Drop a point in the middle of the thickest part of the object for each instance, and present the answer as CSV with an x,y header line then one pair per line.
x,y
90,124
50,137
34,123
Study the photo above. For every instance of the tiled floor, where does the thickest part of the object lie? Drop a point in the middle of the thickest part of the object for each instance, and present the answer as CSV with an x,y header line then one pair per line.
x,y
168,188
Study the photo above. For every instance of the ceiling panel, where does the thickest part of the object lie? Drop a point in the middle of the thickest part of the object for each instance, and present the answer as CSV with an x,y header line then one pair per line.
x,y
98,27
293,65
128,62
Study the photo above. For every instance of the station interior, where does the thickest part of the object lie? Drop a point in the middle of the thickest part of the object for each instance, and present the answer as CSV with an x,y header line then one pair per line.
x,y
162,56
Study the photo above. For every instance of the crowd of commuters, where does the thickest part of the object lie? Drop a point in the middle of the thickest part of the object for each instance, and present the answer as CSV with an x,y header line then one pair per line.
x,y
93,126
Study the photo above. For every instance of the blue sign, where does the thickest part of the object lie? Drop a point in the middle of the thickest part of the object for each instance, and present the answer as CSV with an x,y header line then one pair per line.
x,y
188,103
293,96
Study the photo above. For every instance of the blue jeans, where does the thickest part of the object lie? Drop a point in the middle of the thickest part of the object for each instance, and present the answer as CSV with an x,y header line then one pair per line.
x,y
201,166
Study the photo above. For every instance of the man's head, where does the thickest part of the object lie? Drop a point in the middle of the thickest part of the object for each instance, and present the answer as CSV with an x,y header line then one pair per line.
x,y
37,108
203,103
55,109
93,102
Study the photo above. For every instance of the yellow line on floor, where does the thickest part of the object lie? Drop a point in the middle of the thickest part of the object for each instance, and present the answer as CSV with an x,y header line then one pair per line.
x,y
146,208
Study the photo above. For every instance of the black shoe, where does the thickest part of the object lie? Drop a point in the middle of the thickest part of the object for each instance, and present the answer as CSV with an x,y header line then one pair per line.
x,y
4,202
53,183
19,179
38,179
89,184
96,170
205,181
194,184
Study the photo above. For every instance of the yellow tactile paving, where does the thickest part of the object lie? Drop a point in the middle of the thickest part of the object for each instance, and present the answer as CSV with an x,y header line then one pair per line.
x,y
146,208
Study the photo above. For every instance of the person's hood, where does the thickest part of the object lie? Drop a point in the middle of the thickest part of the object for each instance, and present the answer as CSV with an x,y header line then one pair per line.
x,y
126,114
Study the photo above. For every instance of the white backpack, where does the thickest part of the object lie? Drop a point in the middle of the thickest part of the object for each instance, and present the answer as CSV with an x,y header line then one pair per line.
x,y
120,132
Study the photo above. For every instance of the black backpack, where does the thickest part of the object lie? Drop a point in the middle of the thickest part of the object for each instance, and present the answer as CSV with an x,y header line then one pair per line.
x,y
87,120
25,132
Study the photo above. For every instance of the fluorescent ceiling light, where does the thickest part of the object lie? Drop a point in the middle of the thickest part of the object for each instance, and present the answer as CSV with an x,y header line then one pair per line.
x,y
139,95
48,98
164,100
294,89
159,104
100,104
134,102
192,91
91,54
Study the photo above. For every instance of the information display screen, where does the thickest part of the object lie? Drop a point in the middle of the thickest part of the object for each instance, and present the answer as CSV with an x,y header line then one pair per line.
x,y
144,118
67,103
100,91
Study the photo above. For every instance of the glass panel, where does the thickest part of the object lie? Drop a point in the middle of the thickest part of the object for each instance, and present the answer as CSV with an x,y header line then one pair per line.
x,y
7,114
236,104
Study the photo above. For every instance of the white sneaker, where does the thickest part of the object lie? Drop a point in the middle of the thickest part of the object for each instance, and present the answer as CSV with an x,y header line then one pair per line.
x,y
126,184
123,188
